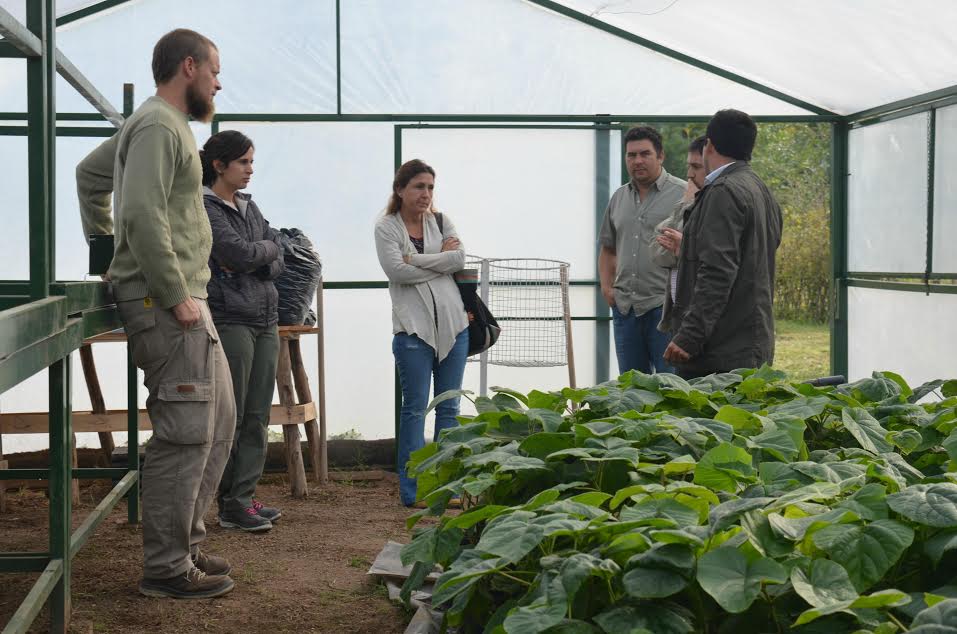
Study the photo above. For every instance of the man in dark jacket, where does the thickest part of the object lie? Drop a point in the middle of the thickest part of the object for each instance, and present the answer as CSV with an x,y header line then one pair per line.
x,y
725,288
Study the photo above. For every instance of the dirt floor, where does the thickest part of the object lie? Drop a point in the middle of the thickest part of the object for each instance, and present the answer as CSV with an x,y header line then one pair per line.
x,y
306,575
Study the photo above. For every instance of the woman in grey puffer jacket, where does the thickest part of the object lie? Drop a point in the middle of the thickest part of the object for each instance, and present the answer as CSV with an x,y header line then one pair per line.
x,y
246,257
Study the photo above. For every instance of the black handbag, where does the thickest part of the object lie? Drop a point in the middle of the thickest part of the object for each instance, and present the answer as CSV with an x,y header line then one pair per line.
x,y
483,328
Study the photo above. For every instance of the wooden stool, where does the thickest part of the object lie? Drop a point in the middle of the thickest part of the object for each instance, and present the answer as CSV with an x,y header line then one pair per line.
x,y
291,380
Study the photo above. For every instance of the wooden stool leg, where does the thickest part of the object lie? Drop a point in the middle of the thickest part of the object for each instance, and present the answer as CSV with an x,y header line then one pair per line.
x,y
305,396
321,364
97,404
297,471
74,483
3,483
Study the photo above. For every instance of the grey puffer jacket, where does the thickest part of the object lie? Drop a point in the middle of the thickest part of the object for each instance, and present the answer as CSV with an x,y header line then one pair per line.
x,y
246,257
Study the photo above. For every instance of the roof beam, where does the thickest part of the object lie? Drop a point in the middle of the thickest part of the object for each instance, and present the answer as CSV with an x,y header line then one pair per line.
x,y
29,44
18,35
75,78
917,102
676,55
79,14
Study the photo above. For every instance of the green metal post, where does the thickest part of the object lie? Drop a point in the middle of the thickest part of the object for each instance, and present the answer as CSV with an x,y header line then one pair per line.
x,y
839,237
931,168
602,194
41,144
338,61
397,384
132,438
61,437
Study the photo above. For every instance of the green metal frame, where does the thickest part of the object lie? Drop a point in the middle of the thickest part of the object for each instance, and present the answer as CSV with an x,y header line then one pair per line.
x,y
42,323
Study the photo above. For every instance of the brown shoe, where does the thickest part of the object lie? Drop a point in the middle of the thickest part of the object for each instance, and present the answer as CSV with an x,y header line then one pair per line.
x,y
211,564
193,584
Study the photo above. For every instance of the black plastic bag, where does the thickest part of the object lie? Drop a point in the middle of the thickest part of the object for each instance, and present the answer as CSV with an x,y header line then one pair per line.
x,y
298,283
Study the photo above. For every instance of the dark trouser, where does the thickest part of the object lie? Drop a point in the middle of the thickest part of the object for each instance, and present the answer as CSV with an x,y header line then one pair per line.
x,y
191,409
253,354
638,342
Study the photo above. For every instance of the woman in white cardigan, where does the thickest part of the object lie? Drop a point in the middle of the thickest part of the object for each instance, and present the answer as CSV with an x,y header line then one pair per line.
x,y
429,323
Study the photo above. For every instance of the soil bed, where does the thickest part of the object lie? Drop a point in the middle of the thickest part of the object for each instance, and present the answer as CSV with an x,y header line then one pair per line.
x,y
306,575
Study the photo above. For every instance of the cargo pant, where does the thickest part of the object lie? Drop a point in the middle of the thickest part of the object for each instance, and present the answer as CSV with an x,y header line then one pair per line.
x,y
193,414
253,354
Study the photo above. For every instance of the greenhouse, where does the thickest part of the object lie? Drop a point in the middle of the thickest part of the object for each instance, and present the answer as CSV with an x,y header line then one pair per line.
x,y
521,106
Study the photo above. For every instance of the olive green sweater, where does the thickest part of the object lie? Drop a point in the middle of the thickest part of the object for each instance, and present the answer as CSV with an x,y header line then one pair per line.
x,y
162,234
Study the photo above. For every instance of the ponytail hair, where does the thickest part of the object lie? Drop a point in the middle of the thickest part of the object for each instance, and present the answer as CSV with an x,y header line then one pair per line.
x,y
225,146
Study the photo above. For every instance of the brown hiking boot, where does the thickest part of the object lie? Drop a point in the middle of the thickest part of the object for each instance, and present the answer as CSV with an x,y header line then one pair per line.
x,y
211,564
192,584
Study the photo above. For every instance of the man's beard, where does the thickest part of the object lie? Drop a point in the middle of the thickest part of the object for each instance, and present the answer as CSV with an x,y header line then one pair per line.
x,y
199,107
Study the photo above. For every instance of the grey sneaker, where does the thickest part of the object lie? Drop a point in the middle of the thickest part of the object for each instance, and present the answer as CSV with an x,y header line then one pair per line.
x,y
245,520
270,513
211,564
193,584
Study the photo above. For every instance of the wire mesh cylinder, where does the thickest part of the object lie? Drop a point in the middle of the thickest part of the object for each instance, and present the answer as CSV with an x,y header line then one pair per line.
x,y
529,298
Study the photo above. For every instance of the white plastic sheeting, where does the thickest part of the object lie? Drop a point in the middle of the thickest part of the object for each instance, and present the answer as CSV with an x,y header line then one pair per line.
x,y
277,56
843,56
510,57
945,192
887,196
910,333
515,193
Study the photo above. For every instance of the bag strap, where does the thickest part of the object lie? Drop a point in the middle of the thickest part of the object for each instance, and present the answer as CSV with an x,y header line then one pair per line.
x,y
439,219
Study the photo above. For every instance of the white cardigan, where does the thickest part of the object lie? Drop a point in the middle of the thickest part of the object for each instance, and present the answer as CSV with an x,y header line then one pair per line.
x,y
427,278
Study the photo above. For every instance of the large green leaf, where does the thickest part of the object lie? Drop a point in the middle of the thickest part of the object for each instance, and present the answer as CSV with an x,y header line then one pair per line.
x,y
869,502
743,421
545,611
510,537
723,468
723,515
928,504
550,421
660,572
866,552
614,400
733,580
867,431
882,599
816,491
936,546
777,442
796,528
649,617
668,508
823,583
940,618
464,572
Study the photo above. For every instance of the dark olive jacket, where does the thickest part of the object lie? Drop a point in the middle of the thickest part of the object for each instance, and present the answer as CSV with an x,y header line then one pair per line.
x,y
246,258
723,314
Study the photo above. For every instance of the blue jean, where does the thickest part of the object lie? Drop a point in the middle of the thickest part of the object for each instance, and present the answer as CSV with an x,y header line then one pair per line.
x,y
417,366
638,342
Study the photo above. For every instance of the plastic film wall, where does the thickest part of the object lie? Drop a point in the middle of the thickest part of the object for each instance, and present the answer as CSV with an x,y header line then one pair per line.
x,y
913,334
887,196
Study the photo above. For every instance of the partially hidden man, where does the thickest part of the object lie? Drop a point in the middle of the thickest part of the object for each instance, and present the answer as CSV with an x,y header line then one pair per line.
x,y
723,315
159,275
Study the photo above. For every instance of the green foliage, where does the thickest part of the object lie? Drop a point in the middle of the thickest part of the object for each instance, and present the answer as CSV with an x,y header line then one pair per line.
x,y
741,502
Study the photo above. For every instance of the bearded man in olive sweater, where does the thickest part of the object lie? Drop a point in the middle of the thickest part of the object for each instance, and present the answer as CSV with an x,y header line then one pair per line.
x,y
159,274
